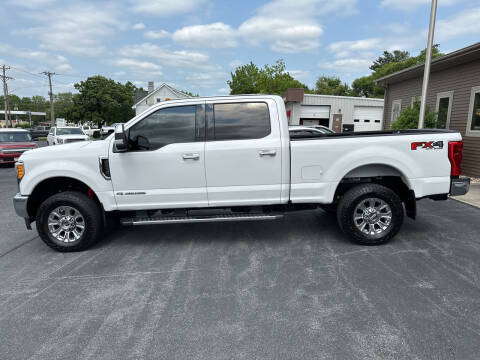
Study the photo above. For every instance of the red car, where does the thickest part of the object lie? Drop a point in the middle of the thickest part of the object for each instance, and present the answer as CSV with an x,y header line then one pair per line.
x,y
13,142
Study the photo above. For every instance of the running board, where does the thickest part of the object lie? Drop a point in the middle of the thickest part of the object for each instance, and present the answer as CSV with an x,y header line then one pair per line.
x,y
196,219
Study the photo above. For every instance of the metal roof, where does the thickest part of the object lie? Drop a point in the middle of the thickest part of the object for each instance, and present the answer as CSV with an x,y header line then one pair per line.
x,y
454,58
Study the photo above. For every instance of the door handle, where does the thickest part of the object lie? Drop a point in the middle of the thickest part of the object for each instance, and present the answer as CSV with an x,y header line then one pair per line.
x,y
191,156
267,152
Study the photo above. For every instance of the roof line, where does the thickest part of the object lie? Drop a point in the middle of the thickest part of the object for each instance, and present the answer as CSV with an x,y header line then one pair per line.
x,y
154,91
439,59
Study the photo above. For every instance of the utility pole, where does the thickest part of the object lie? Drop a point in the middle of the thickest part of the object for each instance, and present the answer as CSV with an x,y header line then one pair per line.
x,y
428,60
52,114
5,91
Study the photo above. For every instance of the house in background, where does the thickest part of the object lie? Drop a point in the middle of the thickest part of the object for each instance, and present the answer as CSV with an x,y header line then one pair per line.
x,y
339,113
453,92
163,93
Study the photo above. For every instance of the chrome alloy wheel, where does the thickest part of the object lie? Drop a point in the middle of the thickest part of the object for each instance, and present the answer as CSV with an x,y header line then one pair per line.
x,y
372,216
66,224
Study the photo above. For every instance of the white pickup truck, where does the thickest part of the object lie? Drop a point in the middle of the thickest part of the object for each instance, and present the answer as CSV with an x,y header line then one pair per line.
x,y
232,158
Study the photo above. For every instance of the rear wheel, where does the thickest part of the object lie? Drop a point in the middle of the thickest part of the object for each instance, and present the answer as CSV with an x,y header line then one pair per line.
x,y
370,213
69,221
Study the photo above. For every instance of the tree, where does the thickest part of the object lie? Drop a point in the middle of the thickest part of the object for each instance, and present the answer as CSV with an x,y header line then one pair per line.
x,y
331,85
408,118
365,86
388,57
102,101
250,79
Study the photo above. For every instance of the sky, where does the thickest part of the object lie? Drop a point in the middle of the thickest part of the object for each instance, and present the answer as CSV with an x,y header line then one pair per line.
x,y
193,45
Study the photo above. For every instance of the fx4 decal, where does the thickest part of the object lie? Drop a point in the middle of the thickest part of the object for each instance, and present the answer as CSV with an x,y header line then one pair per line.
x,y
429,145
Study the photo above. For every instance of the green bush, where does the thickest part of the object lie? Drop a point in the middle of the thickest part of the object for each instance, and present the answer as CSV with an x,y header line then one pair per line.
x,y
408,118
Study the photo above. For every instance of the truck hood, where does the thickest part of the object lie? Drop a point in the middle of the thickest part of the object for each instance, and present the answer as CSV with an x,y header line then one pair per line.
x,y
72,136
66,151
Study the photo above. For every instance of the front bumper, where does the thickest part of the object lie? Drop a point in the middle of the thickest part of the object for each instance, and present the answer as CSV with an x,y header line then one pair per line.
x,y
20,205
459,186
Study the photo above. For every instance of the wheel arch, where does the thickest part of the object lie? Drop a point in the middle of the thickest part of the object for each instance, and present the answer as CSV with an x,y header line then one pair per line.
x,y
383,174
53,185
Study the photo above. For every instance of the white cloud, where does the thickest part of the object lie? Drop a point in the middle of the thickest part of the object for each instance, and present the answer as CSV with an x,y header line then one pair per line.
x,y
156,34
137,64
300,74
41,59
412,5
216,35
205,79
348,66
165,7
76,29
284,36
235,63
31,4
165,57
291,26
464,23
138,26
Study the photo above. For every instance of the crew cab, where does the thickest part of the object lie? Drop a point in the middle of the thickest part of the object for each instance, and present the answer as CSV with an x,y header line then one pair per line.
x,y
65,134
13,143
230,159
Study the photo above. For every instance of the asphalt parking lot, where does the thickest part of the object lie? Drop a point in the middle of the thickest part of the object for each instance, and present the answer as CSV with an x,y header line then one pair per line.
x,y
289,289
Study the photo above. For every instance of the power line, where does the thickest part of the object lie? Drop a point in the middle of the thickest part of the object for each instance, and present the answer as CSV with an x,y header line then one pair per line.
x,y
27,72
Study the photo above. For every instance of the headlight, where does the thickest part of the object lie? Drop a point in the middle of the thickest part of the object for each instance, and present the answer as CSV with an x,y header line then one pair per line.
x,y
20,170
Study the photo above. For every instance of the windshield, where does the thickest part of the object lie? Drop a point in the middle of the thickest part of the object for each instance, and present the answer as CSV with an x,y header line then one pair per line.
x,y
15,137
69,131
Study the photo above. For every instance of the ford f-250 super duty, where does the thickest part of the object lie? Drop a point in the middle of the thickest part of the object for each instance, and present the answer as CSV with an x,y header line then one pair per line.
x,y
232,158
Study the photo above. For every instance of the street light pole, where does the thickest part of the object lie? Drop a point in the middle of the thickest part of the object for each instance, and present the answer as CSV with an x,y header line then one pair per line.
x,y
428,60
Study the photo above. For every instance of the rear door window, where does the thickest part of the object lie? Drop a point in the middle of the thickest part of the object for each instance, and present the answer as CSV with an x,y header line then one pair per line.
x,y
241,121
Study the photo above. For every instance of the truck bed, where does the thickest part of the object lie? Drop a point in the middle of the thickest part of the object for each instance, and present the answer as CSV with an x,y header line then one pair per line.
x,y
371,133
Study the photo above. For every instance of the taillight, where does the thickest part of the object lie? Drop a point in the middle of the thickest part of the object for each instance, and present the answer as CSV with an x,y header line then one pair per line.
x,y
455,156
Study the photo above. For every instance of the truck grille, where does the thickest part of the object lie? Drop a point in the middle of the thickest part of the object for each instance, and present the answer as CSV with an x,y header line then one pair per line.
x,y
72,140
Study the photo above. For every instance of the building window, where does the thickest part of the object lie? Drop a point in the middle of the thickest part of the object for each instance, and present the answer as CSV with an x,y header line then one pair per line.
x,y
473,123
158,100
396,109
443,109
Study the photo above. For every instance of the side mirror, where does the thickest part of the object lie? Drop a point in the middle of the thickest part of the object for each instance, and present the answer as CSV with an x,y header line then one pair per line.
x,y
121,141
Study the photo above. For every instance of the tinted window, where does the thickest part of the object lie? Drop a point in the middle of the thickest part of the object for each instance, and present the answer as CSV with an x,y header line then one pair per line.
x,y
241,121
166,126
11,136
69,131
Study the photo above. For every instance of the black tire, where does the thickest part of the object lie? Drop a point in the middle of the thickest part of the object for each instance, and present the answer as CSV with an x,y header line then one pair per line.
x,y
353,197
87,207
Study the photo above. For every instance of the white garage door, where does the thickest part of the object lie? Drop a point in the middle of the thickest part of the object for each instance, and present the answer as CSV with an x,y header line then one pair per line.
x,y
367,118
315,112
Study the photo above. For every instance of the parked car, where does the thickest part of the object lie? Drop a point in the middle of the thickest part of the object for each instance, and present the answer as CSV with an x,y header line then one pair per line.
x,y
318,130
39,131
13,143
92,132
108,129
64,135
174,164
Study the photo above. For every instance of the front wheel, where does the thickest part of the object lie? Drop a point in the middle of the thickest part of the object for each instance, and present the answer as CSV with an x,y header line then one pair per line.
x,y
371,214
69,221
